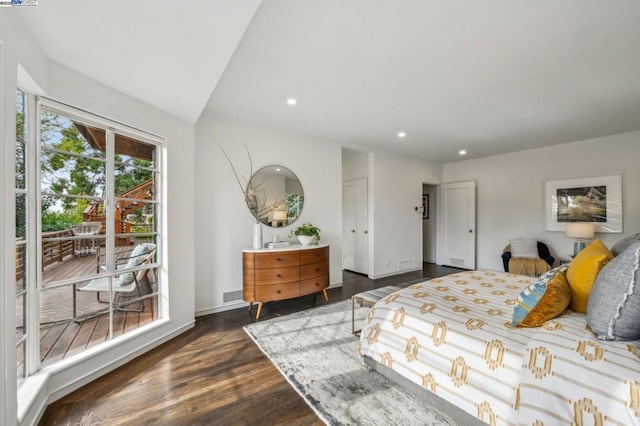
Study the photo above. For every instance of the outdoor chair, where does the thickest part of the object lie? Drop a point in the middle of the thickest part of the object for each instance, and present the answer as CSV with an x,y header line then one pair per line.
x,y
126,284
85,246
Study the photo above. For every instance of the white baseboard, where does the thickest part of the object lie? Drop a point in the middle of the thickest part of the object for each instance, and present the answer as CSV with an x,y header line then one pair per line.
x,y
223,308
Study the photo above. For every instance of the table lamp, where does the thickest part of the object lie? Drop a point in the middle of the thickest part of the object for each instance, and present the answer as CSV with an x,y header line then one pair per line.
x,y
580,231
279,216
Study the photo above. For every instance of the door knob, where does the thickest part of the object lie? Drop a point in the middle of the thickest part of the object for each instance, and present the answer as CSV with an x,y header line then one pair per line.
x,y
366,232
471,231
353,230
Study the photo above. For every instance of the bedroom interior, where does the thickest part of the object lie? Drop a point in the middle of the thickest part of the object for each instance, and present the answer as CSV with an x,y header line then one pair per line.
x,y
535,94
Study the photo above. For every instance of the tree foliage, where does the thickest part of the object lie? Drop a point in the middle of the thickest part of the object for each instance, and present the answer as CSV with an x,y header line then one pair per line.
x,y
20,165
70,165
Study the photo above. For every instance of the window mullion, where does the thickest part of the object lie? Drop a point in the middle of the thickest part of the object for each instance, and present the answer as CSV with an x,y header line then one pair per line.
x,y
34,259
110,206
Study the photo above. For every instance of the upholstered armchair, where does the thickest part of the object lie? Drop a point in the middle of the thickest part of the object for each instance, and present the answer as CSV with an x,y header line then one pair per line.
x,y
528,266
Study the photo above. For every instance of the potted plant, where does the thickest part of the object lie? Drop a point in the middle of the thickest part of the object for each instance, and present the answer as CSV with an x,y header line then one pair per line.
x,y
307,233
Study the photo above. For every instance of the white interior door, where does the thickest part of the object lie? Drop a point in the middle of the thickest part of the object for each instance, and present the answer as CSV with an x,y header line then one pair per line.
x,y
355,233
348,226
362,231
458,240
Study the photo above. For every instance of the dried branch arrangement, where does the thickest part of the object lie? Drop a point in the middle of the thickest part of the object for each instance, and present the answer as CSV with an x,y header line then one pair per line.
x,y
253,191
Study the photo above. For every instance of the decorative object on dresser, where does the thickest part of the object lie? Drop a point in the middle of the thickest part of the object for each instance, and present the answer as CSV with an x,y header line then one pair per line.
x,y
278,274
307,234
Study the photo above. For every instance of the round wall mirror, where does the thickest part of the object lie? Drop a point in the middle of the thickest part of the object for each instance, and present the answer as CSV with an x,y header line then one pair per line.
x,y
275,196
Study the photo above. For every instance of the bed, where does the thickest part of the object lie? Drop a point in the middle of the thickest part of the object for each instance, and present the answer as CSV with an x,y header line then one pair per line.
x,y
452,336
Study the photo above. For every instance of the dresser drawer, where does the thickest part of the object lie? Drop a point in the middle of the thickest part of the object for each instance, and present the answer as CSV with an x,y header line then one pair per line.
x,y
314,255
276,260
277,275
314,285
314,270
266,293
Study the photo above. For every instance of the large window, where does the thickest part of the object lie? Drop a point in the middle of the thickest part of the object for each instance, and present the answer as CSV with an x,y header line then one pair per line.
x,y
97,233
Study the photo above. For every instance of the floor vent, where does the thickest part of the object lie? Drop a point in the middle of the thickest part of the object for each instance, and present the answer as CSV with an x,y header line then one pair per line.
x,y
231,296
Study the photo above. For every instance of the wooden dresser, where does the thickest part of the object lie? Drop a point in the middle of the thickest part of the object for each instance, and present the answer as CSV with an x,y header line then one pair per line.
x,y
277,274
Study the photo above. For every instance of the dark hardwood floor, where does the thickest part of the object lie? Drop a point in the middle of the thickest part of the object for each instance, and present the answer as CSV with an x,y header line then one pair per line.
x,y
213,374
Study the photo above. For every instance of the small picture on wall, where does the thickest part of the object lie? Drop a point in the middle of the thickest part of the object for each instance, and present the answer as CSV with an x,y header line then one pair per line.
x,y
425,206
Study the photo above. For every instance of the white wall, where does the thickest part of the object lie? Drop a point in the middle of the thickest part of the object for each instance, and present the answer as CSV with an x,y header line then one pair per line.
x,y
223,223
395,190
510,197
355,165
178,266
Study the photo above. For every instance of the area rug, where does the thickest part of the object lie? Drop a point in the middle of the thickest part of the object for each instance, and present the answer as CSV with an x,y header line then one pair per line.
x,y
317,353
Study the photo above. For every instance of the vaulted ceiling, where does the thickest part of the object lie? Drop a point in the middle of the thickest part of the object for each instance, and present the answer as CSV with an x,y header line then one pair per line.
x,y
169,54
488,77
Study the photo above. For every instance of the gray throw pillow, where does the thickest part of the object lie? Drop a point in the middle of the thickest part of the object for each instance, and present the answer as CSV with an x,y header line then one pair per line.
x,y
621,245
613,310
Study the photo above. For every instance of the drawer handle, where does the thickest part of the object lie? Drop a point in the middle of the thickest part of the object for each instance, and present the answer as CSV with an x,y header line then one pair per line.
x,y
278,275
317,284
278,259
279,291
317,269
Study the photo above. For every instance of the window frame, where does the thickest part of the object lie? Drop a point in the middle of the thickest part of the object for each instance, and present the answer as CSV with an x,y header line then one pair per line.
x,y
33,150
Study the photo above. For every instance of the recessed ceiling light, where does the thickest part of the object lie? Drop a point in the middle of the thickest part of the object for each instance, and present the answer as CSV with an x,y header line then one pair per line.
x,y
462,152
402,135
292,101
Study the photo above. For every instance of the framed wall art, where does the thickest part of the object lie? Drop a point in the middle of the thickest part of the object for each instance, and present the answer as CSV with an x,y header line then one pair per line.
x,y
425,206
596,200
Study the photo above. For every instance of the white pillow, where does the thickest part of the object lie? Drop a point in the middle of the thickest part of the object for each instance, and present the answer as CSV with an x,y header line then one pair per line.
x,y
524,248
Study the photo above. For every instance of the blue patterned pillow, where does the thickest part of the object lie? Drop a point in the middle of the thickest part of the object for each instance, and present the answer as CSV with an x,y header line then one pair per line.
x,y
543,299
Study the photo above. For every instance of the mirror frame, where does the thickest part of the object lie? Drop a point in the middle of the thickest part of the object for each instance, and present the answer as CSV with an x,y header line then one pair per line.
x,y
262,202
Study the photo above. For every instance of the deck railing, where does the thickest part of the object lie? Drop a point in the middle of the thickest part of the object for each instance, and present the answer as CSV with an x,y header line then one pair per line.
x,y
64,246
56,251
19,260
52,251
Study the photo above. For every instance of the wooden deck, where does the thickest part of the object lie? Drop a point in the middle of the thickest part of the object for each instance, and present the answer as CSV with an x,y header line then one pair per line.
x,y
61,333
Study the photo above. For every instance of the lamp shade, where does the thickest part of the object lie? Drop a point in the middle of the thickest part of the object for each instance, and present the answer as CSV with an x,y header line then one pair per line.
x,y
279,215
580,230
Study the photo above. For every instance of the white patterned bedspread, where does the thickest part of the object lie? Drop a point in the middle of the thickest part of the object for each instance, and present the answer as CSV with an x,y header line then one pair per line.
x,y
453,336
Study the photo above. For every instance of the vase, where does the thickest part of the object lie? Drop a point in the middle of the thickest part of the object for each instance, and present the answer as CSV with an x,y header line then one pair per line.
x,y
257,235
305,240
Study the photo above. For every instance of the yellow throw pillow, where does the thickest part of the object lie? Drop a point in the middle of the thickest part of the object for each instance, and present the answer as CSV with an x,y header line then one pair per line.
x,y
543,300
582,273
